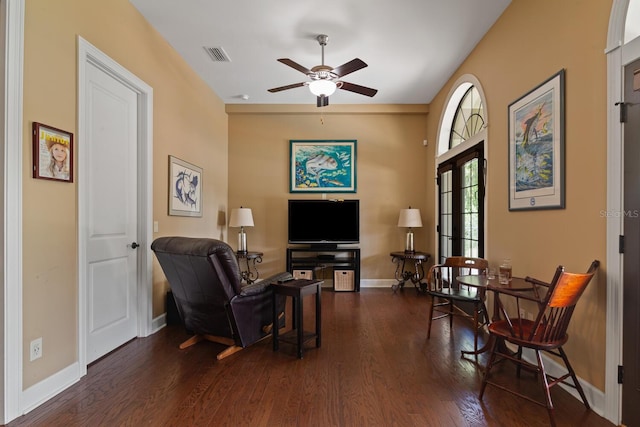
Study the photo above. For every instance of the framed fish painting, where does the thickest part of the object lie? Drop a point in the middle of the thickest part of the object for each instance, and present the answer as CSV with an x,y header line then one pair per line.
x,y
319,166
536,147
185,188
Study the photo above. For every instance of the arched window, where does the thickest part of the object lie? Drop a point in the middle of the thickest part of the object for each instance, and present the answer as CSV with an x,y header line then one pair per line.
x,y
468,119
461,172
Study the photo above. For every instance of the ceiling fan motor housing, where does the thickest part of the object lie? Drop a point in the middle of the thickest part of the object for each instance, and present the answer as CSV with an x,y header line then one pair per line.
x,y
322,72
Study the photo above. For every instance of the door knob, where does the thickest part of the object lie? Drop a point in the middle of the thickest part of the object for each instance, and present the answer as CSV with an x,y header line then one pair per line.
x,y
134,245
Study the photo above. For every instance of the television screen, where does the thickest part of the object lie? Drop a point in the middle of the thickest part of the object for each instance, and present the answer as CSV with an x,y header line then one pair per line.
x,y
324,221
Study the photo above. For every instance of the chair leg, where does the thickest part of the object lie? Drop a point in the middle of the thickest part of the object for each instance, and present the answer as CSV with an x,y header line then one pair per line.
x,y
519,365
573,376
450,315
212,338
203,337
433,301
475,329
228,351
191,341
545,387
487,369
485,312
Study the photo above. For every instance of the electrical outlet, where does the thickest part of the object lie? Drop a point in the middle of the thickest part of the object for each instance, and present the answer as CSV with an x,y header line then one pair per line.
x,y
36,349
523,314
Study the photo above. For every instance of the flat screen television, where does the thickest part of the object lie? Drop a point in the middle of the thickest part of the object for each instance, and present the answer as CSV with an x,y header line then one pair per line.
x,y
324,222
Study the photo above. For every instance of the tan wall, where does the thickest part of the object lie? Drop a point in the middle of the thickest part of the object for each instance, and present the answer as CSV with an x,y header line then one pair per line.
x,y
189,122
392,170
531,42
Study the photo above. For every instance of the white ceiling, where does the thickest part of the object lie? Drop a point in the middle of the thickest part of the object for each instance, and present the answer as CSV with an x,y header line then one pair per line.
x,y
411,46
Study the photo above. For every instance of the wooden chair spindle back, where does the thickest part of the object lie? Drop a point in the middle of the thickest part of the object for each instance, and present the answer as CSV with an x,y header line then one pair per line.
x,y
563,295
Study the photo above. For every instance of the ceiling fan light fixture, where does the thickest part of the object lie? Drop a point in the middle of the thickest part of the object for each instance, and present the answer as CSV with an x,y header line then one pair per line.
x,y
322,87
325,79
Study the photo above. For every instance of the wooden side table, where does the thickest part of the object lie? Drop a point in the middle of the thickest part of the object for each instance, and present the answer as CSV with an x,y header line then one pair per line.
x,y
404,274
249,272
297,289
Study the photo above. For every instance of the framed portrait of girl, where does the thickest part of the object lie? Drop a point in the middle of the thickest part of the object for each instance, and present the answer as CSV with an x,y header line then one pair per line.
x,y
52,153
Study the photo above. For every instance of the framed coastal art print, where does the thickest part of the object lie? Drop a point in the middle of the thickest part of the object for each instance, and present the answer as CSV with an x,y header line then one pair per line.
x,y
185,188
52,153
536,147
322,166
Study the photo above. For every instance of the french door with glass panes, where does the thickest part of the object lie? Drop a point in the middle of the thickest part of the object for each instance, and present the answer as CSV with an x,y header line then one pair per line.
x,y
461,204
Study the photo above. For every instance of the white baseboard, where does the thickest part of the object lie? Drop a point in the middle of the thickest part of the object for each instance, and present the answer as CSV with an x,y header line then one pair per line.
x,y
48,388
378,283
367,283
39,393
158,323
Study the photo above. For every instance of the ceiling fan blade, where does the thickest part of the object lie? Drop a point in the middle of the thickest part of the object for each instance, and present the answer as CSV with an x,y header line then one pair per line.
x,y
292,86
349,67
295,65
362,90
322,101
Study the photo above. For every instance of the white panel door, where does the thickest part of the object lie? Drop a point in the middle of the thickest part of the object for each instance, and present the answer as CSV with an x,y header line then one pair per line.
x,y
111,212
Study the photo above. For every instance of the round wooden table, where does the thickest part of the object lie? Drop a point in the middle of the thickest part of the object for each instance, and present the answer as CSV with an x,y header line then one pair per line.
x,y
517,286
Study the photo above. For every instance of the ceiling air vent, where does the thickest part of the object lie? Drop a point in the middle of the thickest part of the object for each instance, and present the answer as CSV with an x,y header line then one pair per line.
x,y
217,54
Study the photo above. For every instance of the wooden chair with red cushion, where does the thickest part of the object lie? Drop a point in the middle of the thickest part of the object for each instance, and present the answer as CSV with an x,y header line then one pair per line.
x,y
548,332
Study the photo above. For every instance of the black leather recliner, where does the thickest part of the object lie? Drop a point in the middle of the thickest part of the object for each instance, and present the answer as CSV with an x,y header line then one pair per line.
x,y
213,303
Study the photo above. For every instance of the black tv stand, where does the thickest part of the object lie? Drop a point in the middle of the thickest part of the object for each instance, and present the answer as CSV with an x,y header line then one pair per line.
x,y
323,246
319,258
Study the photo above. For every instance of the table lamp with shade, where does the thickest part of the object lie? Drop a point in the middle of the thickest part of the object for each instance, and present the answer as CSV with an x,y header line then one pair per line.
x,y
241,217
409,218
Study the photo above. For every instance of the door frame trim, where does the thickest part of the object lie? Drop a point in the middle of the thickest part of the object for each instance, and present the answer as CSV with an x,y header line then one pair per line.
x,y
89,54
12,128
618,55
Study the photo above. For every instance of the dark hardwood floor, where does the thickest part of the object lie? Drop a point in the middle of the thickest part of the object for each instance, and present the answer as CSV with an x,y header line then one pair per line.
x,y
375,368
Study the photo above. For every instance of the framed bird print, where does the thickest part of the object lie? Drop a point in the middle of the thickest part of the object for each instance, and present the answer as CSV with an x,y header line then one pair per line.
x,y
185,188
536,147
319,166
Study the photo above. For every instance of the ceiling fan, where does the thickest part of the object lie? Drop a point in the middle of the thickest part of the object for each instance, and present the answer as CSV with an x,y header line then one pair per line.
x,y
324,79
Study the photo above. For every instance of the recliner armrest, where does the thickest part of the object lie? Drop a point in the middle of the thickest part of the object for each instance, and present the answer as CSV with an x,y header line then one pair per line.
x,y
261,286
